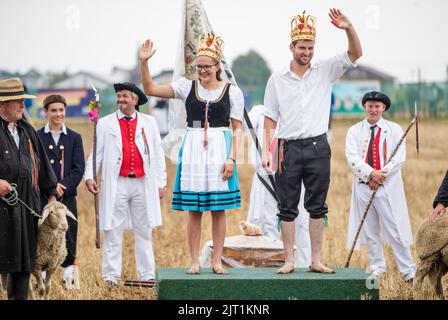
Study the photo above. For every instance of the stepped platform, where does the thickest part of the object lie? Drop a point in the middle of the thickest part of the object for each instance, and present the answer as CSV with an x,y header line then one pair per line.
x,y
265,284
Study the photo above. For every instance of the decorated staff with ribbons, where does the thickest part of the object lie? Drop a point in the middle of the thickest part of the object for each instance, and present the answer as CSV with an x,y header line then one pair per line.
x,y
65,151
298,99
133,179
369,145
206,177
25,173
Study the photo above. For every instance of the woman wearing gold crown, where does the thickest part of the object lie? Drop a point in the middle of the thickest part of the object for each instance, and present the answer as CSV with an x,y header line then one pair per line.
x,y
206,178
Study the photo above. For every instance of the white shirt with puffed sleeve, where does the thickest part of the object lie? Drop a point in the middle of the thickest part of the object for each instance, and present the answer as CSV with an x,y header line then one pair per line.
x,y
302,106
182,88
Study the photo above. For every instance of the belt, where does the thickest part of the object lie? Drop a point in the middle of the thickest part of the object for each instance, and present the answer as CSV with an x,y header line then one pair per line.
x,y
323,135
132,175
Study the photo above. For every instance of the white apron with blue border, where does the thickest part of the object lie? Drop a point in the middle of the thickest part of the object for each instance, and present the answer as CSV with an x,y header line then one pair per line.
x,y
199,184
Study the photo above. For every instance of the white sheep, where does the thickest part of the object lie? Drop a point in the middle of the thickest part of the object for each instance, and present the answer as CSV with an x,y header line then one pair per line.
x,y
51,248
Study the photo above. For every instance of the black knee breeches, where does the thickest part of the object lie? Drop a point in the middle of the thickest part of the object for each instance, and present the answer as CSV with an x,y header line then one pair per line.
x,y
307,161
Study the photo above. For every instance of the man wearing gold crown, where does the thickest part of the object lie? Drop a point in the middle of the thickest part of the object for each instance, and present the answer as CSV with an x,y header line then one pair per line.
x,y
206,178
298,98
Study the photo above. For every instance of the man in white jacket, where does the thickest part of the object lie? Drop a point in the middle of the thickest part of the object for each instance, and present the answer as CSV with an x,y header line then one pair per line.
x,y
133,178
368,147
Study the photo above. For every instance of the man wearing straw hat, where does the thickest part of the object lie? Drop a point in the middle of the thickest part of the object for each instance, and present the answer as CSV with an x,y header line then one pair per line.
x,y
24,168
298,98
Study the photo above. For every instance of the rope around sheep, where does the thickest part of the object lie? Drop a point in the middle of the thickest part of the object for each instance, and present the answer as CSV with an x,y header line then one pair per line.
x,y
12,199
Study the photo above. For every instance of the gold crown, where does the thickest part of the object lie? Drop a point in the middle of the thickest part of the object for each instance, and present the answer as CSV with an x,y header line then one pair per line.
x,y
210,45
303,27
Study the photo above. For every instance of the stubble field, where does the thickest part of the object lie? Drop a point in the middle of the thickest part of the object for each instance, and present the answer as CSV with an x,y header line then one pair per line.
x,y
422,176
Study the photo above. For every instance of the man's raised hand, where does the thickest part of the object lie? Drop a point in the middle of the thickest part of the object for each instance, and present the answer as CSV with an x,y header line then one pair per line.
x,y
339,20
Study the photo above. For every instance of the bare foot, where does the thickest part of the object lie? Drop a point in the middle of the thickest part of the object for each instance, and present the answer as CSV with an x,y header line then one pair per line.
x,y
320,268
287,268
219,270
194,269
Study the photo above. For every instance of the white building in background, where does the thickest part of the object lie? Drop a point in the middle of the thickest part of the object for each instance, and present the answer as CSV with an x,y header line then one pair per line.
x,y
83,80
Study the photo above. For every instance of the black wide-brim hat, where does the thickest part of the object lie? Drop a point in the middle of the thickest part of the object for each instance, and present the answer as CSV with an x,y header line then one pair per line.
x,y
142,99
376,96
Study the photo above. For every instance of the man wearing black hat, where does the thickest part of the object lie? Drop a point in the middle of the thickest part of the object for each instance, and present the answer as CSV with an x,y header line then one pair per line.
x,y
133,179
368,147
65,151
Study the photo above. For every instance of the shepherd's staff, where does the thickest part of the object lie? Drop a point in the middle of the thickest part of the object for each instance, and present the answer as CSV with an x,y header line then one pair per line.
x,y
414,121
94,113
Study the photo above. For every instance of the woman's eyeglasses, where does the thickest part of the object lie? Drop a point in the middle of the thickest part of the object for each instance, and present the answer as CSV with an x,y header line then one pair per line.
x,y
205,67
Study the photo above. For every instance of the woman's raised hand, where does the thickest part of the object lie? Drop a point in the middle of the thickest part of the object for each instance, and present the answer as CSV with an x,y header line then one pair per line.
x,y
147,50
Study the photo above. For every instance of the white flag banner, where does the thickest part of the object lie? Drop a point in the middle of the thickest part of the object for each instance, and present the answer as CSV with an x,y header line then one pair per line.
x,y
194,22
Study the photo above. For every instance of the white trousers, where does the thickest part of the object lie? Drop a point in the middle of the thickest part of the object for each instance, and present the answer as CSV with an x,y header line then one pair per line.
x,y
129,203
380,221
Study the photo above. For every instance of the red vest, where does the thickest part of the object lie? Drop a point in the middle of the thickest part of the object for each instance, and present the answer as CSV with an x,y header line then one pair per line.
x,y
132,159
376,151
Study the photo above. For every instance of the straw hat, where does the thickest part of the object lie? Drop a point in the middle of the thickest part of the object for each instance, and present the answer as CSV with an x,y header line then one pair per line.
x,y
13,89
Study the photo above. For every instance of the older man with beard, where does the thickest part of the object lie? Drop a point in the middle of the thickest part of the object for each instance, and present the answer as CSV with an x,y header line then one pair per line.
x,y
25,167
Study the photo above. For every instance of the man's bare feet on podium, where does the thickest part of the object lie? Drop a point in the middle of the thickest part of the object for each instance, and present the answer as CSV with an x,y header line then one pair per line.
x,y
218,269
194,269
287,268
320,268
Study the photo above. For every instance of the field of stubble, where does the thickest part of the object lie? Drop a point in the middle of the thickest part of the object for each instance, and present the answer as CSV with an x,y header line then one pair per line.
x,y
422,175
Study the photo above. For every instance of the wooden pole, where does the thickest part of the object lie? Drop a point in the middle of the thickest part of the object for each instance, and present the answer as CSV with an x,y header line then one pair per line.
x,y
97,216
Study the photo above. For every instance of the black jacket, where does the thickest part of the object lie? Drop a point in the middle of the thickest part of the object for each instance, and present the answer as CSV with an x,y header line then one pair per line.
x,y
442,195
70,146
28,168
